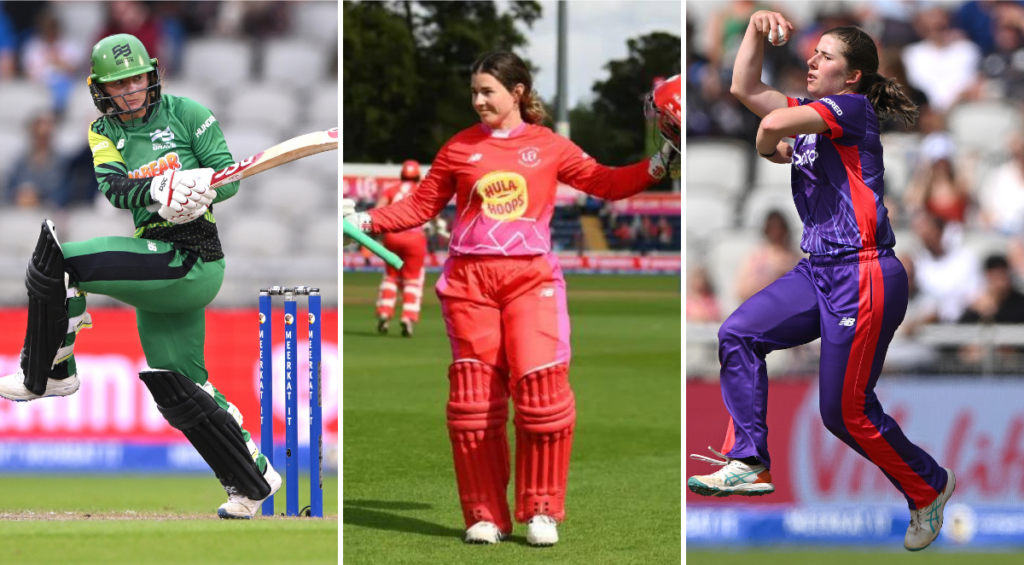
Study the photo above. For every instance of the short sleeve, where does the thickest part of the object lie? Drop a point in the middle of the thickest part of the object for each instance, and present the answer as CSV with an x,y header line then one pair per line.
x,y
846,116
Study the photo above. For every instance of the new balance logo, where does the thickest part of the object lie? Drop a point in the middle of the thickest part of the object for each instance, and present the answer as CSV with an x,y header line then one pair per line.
x,y
121,50
547,292
848,322
475,157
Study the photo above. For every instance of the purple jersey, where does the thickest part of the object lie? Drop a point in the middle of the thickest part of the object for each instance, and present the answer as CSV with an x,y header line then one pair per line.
x,y
837,179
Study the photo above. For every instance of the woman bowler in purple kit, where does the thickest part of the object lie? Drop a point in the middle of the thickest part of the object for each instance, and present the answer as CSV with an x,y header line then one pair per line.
x,y
852,290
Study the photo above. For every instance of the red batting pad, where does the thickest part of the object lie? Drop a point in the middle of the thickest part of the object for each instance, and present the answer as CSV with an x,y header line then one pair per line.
x,y
545,418
477,415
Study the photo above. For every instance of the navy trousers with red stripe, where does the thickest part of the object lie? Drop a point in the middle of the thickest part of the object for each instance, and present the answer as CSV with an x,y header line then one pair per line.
x,y
854,303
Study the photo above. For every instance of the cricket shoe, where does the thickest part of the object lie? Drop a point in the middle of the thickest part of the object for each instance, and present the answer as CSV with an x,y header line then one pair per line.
x,y
382,326
12,387
406,328
241,507
542,531
483,533
926,522
734,478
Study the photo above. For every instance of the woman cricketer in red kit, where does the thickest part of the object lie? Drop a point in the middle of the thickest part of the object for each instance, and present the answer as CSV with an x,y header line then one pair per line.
x,y
852,292
503,295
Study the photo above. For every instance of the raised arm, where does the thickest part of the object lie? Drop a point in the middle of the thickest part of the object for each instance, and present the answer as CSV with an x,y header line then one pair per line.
x,y
746,73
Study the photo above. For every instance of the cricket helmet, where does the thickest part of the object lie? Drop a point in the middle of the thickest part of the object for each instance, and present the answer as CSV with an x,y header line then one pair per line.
x,y
664,106
118,57
410,170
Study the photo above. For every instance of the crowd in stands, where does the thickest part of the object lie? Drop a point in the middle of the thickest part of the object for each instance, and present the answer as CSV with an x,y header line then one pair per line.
x,y
954,181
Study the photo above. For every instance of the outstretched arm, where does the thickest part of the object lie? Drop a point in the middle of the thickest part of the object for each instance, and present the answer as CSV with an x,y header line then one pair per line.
x,y
746,72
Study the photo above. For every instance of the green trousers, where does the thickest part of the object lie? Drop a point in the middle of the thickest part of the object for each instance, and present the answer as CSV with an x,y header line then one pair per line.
x,y
170,289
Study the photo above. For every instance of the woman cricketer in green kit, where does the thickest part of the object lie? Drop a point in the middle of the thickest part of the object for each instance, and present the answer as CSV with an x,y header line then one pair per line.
x,y
154,154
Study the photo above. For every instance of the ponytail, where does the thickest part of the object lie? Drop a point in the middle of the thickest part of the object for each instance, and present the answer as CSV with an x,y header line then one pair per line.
x,y
532,109
889,100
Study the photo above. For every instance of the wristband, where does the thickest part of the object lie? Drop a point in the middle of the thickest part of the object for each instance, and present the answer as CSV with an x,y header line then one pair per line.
x,y
770,155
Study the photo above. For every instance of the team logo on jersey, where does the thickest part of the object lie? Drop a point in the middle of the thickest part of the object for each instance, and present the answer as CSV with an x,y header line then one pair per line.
x,y
160,166
529,157
504,195
166,136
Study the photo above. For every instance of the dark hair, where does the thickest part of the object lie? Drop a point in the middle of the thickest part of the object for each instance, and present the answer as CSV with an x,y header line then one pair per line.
x,y
510,70
885,94
996,262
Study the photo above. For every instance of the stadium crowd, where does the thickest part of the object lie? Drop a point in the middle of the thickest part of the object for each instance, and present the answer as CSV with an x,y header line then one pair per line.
x,y
954,181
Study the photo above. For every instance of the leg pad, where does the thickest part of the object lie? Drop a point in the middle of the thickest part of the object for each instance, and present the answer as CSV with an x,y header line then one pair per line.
x,y
477,416
47,314
545,419
212,430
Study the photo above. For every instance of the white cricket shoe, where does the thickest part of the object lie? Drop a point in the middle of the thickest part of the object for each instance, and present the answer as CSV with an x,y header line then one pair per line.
x,y
734,478
926,522
484,533
242,507
12,387
542,531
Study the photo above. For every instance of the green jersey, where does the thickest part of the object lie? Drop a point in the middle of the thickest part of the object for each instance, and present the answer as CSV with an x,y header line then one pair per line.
x,y
182,134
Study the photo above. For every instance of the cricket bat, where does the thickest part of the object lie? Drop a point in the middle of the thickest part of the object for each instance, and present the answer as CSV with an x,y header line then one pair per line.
x,y
371,244
286,152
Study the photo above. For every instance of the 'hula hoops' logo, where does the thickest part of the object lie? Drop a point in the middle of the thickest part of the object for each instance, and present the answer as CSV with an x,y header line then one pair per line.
x,y
504,195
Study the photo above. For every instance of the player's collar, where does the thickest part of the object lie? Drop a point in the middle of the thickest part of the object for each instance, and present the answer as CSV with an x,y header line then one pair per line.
x,y
503,133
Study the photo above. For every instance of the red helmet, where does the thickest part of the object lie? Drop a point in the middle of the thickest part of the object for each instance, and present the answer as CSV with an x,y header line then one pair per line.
x,y
410,170
664,106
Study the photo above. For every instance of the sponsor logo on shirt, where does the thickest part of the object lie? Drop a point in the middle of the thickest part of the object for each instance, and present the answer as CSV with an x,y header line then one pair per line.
x,y
835,106
504,195
158,167
529,157
805,158
120,144
547,292
475,157
202,129
151,246
100,145
848,322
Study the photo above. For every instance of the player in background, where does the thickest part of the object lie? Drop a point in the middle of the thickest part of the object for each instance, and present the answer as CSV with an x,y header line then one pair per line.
x,y
411,246
852,292
154,154
503,295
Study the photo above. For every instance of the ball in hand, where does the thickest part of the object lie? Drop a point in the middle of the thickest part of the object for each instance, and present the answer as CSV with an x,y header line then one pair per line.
x,y
777,37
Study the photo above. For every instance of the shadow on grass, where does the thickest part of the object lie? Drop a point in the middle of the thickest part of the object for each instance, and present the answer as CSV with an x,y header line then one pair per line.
x,y
365,333
374,514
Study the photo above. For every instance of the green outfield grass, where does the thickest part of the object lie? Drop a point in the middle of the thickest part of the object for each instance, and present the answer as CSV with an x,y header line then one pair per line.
x,y
850,557
623,505
96,519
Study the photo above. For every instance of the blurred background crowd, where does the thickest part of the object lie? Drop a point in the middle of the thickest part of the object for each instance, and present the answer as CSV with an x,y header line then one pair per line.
x,y
267,70
954,181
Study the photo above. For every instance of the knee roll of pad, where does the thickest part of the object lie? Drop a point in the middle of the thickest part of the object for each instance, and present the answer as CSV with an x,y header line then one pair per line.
x,y
211,429
47,314
545,419
477,416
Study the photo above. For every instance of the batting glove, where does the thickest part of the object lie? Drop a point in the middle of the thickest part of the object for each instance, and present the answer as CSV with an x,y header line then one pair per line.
x,y
184,216
666,159
360,220
196,184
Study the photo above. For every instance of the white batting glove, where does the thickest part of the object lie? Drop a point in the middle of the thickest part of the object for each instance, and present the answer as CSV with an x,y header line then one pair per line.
x,y
666,159
184,216
360,220
196,184
163,189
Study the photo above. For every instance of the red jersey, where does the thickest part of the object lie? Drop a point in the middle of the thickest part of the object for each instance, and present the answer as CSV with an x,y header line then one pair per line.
x,y
504,186
397,192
